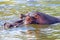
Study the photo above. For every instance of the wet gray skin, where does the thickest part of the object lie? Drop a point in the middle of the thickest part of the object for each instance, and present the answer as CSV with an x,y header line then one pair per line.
x,y
31,18
47,19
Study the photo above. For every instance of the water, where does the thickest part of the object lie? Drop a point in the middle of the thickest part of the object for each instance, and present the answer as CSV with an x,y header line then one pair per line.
x,y
31,32
10,12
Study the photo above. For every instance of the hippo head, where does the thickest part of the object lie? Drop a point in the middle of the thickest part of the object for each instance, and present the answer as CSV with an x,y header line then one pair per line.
x,y
31,18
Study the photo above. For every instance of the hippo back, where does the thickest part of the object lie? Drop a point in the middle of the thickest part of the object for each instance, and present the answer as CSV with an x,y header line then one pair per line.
x,y
48,18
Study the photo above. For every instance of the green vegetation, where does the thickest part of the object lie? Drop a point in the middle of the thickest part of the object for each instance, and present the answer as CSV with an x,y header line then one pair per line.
x,y
6,2
24,8
44,9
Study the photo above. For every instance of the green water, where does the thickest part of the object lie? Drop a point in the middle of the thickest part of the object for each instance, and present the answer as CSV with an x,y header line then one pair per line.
x,y
10,10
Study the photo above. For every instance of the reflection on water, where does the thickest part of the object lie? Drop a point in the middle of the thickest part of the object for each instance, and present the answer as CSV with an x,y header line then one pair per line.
x,y
31,32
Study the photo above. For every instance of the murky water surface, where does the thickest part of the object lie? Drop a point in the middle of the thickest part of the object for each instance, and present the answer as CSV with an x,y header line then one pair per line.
x,y
9,13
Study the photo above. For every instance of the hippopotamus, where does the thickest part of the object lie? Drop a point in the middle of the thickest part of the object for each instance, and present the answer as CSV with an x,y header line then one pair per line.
x,y
34,18
40,18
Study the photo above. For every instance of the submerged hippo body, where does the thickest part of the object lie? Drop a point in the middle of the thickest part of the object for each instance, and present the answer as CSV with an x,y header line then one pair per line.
x,y
40,18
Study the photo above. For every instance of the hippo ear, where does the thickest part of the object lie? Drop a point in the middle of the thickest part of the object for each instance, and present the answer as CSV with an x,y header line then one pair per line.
x,y
22,16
